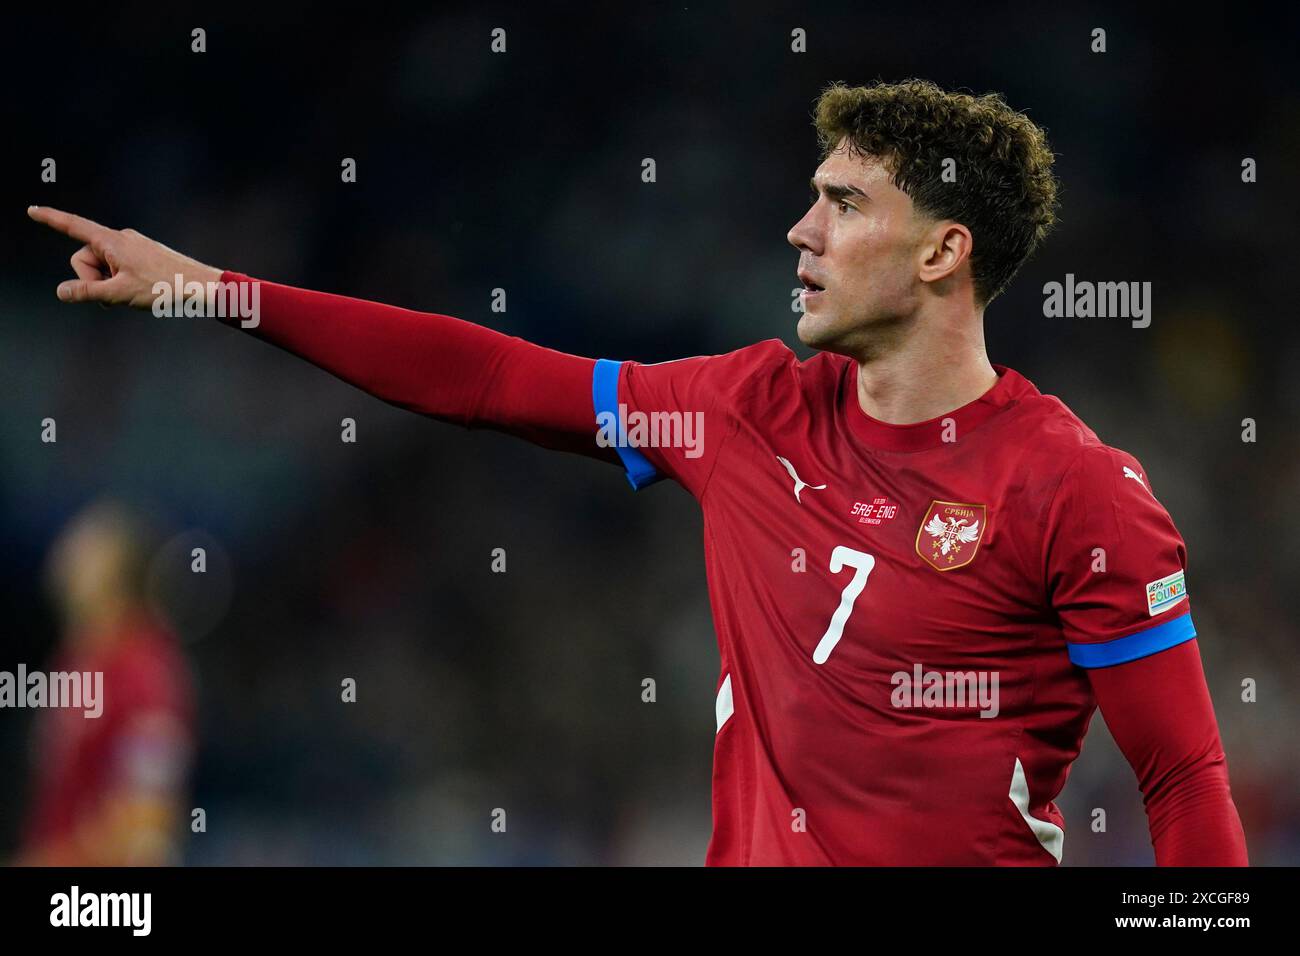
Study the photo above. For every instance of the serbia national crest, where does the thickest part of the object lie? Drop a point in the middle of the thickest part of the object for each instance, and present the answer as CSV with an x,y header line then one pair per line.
x,y
950,534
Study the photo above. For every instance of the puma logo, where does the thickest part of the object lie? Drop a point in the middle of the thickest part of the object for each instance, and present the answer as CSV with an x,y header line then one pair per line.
x,y
799,483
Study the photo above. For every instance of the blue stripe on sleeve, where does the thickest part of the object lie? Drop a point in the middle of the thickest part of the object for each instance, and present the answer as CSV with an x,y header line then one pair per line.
x,y
1130,648
604,396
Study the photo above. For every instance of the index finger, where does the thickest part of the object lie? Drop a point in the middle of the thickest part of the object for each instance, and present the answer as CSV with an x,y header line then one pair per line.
x,y
65,222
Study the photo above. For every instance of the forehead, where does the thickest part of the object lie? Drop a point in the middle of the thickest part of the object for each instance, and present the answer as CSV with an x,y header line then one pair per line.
x,y
854,168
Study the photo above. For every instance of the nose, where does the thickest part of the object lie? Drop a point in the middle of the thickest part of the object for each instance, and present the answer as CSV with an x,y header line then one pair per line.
x,y
805,235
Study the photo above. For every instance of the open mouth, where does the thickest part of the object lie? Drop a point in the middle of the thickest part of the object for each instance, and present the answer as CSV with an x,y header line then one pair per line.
x,y
809,286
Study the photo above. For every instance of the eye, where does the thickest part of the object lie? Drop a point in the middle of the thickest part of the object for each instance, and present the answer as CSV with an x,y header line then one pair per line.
x,y
843,206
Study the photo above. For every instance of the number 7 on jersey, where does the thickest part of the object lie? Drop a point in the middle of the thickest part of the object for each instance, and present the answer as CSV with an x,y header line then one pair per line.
x,y
862,563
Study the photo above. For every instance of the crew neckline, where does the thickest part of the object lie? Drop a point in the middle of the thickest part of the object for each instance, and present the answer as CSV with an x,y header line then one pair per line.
x,y
920,436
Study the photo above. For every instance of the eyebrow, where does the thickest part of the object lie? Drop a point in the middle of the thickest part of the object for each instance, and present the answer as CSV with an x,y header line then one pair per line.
x,y
836,191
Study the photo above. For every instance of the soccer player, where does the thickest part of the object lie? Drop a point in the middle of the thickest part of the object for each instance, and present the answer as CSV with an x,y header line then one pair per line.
x,y
925,574
108,789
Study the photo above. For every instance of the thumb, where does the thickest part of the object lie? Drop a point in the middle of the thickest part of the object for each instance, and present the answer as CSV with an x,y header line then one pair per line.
x,y
86,290
74,290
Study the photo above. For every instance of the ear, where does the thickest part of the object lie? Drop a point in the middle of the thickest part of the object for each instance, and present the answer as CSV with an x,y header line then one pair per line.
x,y
943,250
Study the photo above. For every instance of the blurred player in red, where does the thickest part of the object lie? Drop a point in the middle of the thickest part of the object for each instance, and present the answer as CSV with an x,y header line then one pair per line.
x,y
108,789
925,575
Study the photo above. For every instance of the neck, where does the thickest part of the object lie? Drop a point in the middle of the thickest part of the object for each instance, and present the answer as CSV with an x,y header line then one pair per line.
x,y
97,626
927,368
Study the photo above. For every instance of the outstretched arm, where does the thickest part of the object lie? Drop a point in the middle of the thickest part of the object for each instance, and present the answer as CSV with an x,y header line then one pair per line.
x,y
437,365
1159,712
434,364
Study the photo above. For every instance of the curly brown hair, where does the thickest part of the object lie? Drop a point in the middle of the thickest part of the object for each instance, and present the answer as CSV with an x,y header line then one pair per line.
x,y
1004,193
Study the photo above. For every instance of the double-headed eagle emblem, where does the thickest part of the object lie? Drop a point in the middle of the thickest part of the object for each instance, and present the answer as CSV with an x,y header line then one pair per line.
x,y
950,534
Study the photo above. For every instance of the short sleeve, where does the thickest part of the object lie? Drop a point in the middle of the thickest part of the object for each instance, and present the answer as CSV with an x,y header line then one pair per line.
x,y
671,419
1115,564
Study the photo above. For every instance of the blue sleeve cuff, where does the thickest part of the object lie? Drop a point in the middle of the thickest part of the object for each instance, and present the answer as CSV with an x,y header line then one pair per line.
x,y
604,396
1134,646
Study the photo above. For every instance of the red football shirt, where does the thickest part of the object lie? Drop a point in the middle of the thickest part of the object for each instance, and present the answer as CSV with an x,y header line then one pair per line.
x,y
142,740
904,613
868,582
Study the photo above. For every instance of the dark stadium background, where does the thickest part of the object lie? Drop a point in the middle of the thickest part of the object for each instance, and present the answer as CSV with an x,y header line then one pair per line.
x,y
522,171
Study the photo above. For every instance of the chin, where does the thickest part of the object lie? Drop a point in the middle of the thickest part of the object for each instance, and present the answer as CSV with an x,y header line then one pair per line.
x,y
817,331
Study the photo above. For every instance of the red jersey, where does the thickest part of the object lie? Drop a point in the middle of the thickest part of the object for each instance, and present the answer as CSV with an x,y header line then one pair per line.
x,y
869,582
142,739
904,613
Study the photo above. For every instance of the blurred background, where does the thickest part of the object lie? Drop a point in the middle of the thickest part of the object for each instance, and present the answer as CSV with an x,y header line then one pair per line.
x,y
521,171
